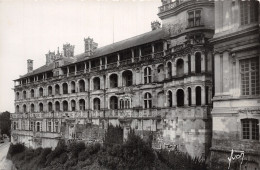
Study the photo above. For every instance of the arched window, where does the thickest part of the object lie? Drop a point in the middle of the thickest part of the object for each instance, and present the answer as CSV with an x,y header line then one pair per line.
x,y
96,104
147,100
96,83
32,108
57,106
49,90
65,88
169,98
40,107
38,126
17,109
82,104
40,91
81,85
127,78
113,80
24,94
122,104
113,102
17,96
50,107
127,104
180,67
147,75
189,96
57,89
198,95
24,108
73,105
169,69
198,63
65,105
189,64
32,93
73,87
180,97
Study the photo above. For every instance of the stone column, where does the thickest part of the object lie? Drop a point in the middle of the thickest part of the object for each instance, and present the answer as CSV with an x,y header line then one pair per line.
x,y
203,95
75,69
120,77
203,62
164,47
193,96
89,66
174,101
192,58
186,65
217,74
105,62
186,97
68,71
118,59
133,55
152,50
85,67
100,63
174,69
140,53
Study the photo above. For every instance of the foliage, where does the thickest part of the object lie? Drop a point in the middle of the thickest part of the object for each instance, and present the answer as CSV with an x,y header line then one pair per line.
x,y
89,151
76,147
60,148
15,149
114,135
5,123
43,156
181,161
133,154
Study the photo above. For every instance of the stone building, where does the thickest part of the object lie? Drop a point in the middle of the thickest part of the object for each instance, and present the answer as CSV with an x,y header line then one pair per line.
x,y
157,83
236,111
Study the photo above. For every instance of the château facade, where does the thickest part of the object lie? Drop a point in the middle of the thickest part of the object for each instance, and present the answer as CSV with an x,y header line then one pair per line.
x,y
236,111
156,83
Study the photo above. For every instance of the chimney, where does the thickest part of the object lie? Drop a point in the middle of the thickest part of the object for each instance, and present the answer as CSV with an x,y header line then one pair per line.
x,y
29,65
155,25
68,50
90,46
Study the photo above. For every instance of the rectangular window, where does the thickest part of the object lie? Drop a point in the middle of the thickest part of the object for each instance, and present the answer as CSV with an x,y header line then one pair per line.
x,y
194,18
49,126
248,12
249,70
250,129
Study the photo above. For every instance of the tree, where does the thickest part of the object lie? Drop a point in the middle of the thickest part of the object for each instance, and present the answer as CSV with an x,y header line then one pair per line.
x,y
5,123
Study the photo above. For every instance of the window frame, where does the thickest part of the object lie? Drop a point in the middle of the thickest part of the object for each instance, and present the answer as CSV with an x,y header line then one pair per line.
x,y
148,100
250,129
194,18
256,73
147,75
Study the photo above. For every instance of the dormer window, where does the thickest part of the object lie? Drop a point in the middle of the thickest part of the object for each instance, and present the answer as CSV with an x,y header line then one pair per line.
x,y
56,64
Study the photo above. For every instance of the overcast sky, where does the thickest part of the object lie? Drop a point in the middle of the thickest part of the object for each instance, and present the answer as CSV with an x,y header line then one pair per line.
x,y
29,29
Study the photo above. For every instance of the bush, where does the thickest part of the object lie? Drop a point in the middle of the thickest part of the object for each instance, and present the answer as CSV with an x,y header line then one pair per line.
x,y
76,147
60,148
89,150
43,156
181,161
15,149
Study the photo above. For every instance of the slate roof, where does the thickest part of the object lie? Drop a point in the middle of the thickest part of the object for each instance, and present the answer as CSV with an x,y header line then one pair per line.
x,y
108,49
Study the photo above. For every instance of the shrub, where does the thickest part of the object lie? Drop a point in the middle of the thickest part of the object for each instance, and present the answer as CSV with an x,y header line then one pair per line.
x,y
181,161
43,156
76,147
16,148
60,148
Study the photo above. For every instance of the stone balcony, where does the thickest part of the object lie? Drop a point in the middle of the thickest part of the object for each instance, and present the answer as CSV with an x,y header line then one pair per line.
x,y
171,5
